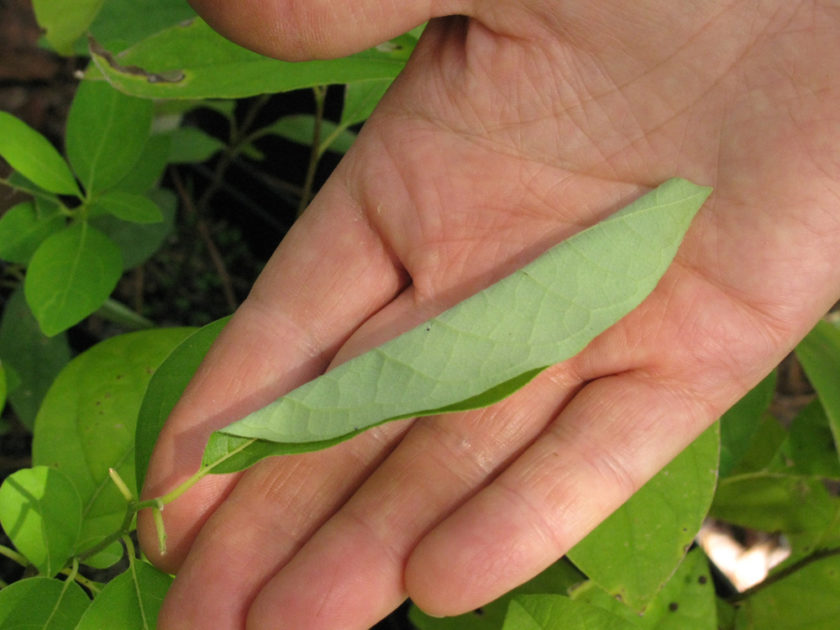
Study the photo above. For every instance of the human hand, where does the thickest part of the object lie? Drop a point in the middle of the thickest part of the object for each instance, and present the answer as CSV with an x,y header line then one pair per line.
x,y
507,132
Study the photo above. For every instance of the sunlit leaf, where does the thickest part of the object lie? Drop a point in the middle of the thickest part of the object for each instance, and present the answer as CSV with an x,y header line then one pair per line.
x,y
127,207
70,276
41,512
106,134
86,424
190,60
30,153
65,21
637,549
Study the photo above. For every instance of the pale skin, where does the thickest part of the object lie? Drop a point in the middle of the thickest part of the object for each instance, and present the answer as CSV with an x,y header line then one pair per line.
x,y
508,131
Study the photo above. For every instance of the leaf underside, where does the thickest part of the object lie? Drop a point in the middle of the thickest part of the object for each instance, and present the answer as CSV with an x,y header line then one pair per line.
x,y
484,348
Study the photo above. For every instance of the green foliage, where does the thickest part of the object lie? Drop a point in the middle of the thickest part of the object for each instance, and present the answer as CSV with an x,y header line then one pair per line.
x,y
486,347
100,210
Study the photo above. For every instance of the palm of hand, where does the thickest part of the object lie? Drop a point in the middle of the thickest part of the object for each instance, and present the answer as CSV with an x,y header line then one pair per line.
x,y
489,149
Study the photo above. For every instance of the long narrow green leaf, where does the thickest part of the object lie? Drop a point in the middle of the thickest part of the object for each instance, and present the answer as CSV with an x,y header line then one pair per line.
x,y
486,347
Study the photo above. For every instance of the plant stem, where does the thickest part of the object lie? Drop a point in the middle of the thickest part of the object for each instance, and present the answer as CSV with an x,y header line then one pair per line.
x,y
820,554
11,554
320,93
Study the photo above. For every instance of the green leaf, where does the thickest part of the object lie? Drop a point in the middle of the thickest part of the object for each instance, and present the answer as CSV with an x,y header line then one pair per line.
x,y
191,145
360,99
131,601
3,386
819,354
556,612
558,578
686,602
70,276
773,502
65,21
484,348
190,60
810,447
805,600
637,549
86,424
122,23
41,512
741,422
151,164
300,128
41,603
165,388
764,452
127,207
35,358
32,155
23,229
106,134
139,241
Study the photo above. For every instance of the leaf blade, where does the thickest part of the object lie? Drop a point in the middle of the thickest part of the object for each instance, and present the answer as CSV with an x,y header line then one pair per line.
x,y
563,300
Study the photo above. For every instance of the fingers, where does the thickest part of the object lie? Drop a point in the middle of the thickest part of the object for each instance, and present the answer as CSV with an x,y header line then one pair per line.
x,y
329,274
313,29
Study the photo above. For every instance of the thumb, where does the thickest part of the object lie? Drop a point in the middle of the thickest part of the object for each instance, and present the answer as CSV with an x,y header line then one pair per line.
x,y
296,30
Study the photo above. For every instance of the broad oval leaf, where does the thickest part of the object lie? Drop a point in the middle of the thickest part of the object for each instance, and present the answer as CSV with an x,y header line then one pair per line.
x,y
32,155
637,549
127,206
23,228
486,347
70,276
43,604
360,99
131,601
86,424
41,512
106,133
190,60
35,358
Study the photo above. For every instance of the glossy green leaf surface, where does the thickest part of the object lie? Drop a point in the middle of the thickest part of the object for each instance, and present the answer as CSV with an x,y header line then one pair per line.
x,y
556,612
740,423
686,601
23,228
131,601
139,241
819,354
86,424
637,549
486,347
165,388
70,276
190,60
32,155
557,579
35,358
127,207
65,21
805,600
41,603
106,133
41,512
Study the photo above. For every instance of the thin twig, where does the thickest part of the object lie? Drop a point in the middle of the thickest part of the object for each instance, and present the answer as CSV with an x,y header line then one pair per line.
x,y
206,237
320,93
